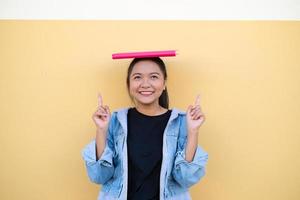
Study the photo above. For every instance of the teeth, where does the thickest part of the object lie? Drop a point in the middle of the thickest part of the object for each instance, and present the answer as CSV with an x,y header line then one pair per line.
x,y
146,92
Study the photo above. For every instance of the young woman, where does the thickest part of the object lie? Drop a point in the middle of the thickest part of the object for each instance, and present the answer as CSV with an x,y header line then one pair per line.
x,y
148,151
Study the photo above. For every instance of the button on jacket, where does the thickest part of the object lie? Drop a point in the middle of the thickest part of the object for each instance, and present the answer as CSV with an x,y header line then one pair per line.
x,y
111,169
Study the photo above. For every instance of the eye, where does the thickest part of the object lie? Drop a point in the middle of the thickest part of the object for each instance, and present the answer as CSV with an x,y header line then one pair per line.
x,y
154,77
136,77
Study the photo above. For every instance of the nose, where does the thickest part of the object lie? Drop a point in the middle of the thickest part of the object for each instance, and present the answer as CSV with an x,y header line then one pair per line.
x,y
145,83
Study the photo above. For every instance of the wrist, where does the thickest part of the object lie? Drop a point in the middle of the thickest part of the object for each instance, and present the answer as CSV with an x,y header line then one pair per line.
x,y
101,130
193,131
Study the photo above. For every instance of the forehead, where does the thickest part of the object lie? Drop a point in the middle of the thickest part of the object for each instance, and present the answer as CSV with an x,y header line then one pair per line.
x,y
145,67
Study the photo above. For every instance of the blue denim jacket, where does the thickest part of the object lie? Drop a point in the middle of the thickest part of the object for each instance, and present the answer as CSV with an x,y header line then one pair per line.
x,y
111,171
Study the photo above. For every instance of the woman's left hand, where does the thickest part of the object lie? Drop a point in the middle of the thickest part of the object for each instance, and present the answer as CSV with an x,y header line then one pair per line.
x,y
194,116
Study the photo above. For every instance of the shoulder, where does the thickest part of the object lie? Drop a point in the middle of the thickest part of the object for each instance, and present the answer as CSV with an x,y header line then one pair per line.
x,y
119,114
117,119
181,116
177,112
120,111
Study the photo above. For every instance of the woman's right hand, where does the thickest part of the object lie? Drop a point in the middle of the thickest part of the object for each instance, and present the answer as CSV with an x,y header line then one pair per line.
x,y
102,115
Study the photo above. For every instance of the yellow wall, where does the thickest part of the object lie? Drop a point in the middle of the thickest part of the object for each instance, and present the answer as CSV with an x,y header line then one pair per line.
x,y
247,72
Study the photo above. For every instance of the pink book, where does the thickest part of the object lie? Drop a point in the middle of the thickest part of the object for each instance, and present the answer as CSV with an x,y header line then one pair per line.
x,y
144,54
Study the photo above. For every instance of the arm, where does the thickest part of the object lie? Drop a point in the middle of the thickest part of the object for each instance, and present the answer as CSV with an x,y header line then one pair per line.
x,y
191,147
101,136
190,160
98,157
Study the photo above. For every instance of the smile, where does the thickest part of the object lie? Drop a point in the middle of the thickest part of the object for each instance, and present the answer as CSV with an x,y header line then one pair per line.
x,y
146,93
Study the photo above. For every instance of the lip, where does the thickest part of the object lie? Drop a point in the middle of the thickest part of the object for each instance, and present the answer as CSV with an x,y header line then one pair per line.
x,y
148,93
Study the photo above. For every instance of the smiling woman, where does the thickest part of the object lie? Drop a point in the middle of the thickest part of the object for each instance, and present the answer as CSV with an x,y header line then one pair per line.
x,y
130,156
146,83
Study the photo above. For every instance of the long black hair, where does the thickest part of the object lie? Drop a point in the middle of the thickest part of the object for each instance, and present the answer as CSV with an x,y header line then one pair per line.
x,y
164,97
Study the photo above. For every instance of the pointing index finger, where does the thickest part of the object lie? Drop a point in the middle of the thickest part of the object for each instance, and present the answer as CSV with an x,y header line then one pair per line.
x,y
197,102
100,102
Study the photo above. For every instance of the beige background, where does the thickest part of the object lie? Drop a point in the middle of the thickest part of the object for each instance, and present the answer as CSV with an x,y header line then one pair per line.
x,y
247,73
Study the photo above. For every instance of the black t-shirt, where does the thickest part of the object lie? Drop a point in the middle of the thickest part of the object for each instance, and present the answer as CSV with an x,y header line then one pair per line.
x,y
144,143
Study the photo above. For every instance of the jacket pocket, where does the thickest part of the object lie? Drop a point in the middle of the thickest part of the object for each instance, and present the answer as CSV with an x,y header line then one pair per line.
x,y
118,145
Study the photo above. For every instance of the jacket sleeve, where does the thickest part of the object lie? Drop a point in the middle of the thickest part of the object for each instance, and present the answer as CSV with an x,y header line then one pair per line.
x,y
101,170
184,172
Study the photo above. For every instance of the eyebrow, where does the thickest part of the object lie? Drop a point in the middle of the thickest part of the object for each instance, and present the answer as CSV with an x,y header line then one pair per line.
x,y
141,73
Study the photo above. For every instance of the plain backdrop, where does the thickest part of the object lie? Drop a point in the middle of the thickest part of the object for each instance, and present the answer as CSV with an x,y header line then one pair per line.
x,y
246,71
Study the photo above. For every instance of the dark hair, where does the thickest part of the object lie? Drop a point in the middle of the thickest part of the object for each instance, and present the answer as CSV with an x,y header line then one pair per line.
x,y
164,97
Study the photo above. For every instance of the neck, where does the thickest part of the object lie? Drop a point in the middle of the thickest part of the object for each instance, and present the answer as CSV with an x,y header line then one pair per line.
x,y
151,110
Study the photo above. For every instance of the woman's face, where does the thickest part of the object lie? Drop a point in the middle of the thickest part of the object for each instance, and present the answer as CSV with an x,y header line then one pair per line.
x,y
146,82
